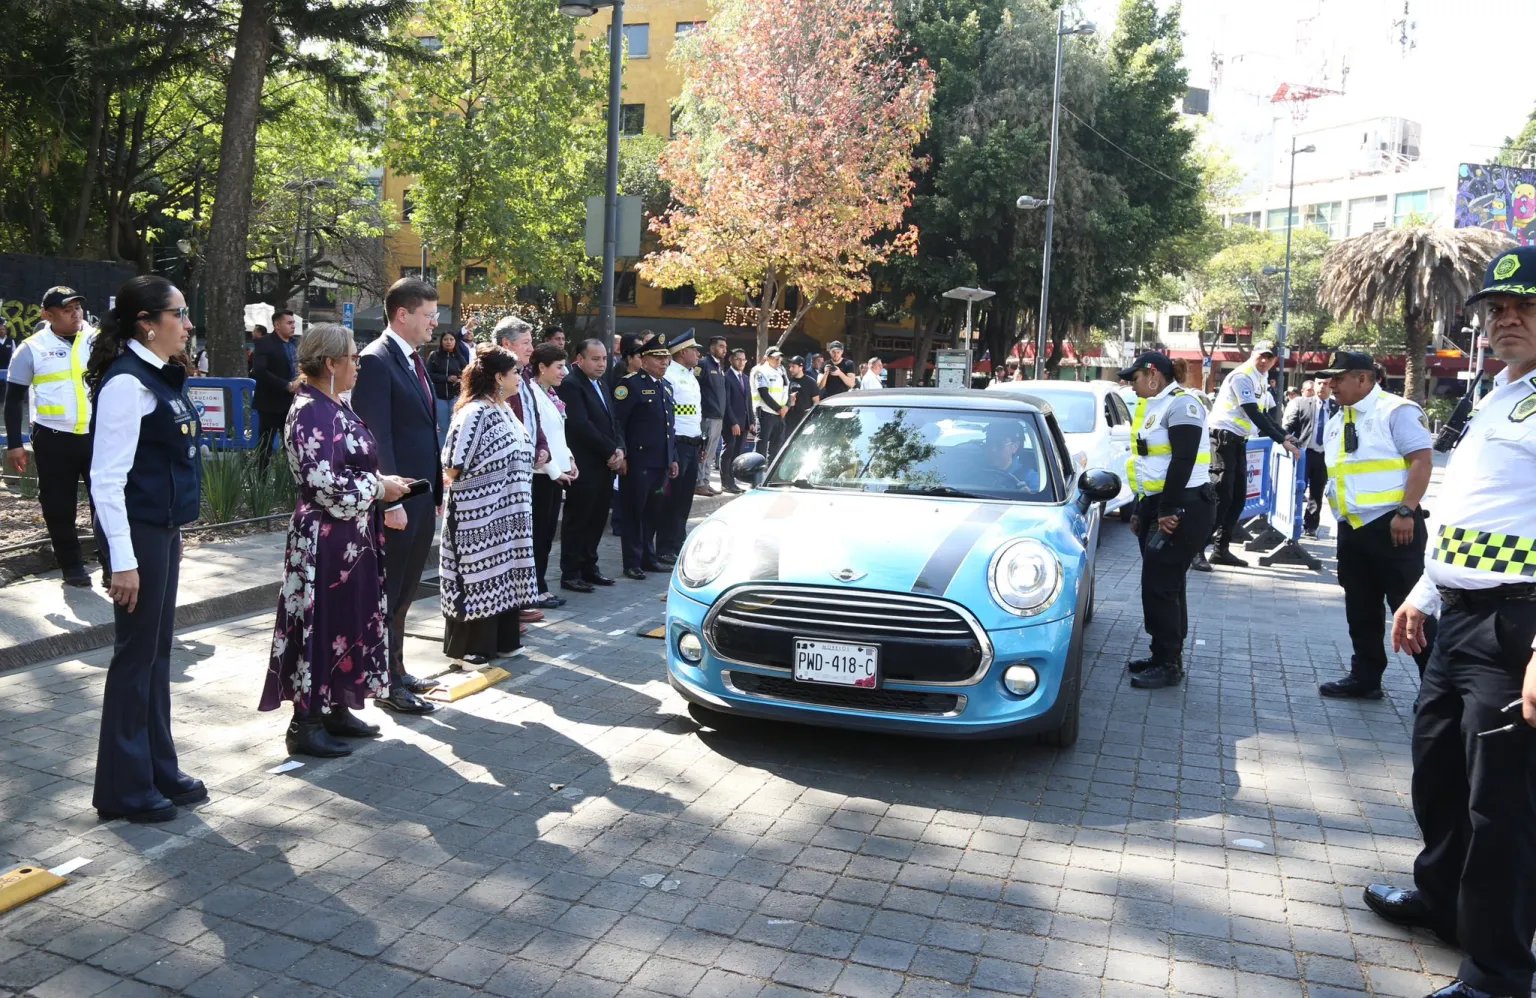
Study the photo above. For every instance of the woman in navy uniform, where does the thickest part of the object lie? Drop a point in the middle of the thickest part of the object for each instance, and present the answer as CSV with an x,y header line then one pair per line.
x,y
146,481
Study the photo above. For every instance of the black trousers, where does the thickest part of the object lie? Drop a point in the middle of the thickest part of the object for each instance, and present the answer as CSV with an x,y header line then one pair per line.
x,y
1229,472
136,765
271,422
405,556
1317,480
733,442
673,529
1377,577
1475,798
770,433
546,514
1164,606
641,502
63,461
489,636
587,503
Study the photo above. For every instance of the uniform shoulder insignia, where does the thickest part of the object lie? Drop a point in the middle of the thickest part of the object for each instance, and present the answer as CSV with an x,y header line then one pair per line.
x,y
1523,409
621,393
1193,408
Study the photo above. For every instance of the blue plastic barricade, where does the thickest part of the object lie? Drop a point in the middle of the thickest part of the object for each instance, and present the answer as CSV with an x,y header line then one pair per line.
x,y
224,408
1259,477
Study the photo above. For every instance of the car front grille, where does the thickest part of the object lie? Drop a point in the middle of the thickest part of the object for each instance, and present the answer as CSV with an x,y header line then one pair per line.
x,y
921,640
846,698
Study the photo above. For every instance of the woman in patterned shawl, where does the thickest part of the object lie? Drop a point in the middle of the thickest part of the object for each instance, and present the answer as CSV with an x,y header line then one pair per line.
x,y
329,649
487,569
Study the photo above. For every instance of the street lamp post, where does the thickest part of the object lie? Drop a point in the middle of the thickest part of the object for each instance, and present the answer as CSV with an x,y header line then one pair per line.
x,y
970,296
1049,204
587,8
1285,291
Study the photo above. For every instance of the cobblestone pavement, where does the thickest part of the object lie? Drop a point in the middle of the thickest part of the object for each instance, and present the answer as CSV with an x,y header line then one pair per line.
x,y
574,832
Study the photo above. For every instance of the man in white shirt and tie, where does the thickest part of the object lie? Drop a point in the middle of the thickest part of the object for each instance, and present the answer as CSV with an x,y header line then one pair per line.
x,y
1305,419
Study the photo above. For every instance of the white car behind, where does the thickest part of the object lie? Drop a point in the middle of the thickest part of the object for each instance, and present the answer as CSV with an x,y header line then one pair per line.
x,y
1095,421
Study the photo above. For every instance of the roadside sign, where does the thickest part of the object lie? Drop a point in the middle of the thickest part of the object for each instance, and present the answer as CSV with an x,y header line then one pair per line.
x,y
628,236
952,368
348,312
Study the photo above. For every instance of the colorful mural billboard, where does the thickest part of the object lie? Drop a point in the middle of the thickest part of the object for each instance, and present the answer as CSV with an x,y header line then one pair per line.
x,y
1502,198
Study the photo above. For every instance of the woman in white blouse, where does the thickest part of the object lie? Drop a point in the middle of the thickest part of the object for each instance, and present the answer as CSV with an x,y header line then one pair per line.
x,y
545,370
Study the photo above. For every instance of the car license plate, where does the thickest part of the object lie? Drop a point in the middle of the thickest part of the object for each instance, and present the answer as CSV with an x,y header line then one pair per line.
x,y
837,663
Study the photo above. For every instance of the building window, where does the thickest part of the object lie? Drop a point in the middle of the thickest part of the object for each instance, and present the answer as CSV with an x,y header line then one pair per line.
x,y
1249,218
683,297
686,28
431,43
624,287
631,119
1367,215
1329,217
637,40
416,272
1275,221
476,278
406,207
1178,323
1407,206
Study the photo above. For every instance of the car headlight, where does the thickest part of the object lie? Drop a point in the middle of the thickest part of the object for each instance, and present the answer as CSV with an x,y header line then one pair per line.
x,y
1025,577
705,555
690,648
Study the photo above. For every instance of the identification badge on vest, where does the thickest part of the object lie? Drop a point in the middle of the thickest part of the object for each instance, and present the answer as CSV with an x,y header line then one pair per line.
x,y
1523,409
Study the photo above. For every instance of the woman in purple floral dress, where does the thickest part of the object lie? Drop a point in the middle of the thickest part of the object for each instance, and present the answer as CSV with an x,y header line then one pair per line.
x,y
330,650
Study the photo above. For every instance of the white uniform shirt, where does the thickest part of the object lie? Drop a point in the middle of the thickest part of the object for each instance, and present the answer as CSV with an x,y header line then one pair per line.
x,y
54,367
121,408
772,378
687,397
1485,516
1172,406
1388,427
1243,385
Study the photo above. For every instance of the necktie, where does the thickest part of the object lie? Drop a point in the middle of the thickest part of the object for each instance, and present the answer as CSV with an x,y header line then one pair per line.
x,y
421,375
599,389
1322,420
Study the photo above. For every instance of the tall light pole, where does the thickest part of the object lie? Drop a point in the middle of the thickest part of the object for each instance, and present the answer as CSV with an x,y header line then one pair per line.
x,y
1049,204
970,296
587,8
1285,291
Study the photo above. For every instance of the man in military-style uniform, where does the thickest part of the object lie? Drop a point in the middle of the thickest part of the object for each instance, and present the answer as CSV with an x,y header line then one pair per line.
x,y
688,431
642,405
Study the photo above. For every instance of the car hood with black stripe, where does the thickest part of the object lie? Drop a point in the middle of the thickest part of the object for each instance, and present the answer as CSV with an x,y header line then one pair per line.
x,y
894,543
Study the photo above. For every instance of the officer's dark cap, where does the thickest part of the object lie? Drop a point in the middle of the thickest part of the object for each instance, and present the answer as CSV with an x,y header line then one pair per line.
x,y
1345,361
1512,273
1151,360
59,296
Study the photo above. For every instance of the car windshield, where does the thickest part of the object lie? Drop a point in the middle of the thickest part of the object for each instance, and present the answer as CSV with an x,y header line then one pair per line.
x,y
1076,412
926,451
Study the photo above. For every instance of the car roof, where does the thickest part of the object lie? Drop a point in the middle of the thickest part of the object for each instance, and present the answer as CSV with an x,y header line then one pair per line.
x,y
943,398
1096,386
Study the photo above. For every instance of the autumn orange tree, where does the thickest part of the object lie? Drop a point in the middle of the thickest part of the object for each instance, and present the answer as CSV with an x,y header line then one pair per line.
x,y
794,157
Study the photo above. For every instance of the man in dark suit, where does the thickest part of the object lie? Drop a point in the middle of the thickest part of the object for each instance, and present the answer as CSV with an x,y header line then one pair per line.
x,y
1305,419
593,437
275,366
738,417
394,397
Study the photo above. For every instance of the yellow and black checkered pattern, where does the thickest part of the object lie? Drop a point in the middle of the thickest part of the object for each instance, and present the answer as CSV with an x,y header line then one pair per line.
x,y
1485,552
686,409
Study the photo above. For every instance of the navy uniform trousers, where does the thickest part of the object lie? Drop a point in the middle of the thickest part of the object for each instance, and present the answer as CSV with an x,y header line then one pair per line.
x,y
1475,798
674,518
136,766
1164,571
641,505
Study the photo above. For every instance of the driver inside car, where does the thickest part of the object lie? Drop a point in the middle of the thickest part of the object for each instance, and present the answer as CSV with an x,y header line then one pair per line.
x,y
1004,458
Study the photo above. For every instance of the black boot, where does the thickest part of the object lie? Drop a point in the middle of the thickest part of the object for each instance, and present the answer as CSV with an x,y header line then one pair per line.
x,y
1136,666
1223,555
307,736
342,723
1159,676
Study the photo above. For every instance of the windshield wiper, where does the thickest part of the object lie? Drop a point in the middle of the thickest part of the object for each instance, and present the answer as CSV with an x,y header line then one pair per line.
x,y
937,490
803,483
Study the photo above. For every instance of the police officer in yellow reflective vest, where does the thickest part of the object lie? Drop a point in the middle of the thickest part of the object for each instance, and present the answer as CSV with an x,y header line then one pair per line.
x,y
51,364
1237,417
1377,449
1169,470
1474,750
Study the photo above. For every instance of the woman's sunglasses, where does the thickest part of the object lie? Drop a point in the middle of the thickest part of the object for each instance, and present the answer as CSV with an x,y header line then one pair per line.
x,y
181,313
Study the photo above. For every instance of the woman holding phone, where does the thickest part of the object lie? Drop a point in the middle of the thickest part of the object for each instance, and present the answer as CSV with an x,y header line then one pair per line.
x,y
330,651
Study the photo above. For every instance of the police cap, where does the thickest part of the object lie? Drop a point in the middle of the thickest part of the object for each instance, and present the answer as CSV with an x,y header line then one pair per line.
x,y
59,295
1151,360
1512,273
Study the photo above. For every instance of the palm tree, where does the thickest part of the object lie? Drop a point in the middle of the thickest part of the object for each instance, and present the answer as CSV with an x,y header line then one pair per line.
x,y
1415,271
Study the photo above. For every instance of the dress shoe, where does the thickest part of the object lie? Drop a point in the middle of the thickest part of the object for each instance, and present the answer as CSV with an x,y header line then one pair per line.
x,y
403,701
634,573
655,566
578,585
549,601
1350,688
1156,677
77,576
1222,556
1200,564
667,559
1136,666
476,660
195,793
1461,989
154,816
1407,908
342,723
705,491
1310,533
413,684
307,736
597,579
530,615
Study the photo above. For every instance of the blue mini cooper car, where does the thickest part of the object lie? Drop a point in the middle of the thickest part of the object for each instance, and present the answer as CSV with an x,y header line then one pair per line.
x,y
913,561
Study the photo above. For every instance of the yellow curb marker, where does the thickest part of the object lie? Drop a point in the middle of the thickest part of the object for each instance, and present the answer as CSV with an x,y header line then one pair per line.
x,y
24,883
474,683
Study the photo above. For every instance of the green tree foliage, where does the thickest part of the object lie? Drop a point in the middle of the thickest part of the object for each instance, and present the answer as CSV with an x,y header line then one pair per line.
x,y
1239,293
1521,149
500,128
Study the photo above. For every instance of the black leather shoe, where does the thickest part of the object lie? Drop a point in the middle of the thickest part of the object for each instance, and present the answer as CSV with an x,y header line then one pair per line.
x,y
1157,677
342,723
655,566
1407,908
597,579
309,737
634,573
195,793
476,660
1136,666
549,601
578,585
1200,564
77,576
667,559
417,686
152,817
1350,688
1461,989
403,701
106,579
1222,556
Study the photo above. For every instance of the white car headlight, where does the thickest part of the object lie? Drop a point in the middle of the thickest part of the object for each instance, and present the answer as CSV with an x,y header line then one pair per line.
x,y
705,555
1025,577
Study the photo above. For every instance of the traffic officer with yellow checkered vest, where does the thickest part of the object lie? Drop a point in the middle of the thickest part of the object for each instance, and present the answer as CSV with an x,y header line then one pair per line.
x,y
688,426
50,367
1377,450
1474,750
1169,470
1237,417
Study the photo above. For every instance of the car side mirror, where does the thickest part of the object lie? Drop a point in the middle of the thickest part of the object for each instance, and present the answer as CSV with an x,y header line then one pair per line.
x,y
1120,433
1098,485
749,467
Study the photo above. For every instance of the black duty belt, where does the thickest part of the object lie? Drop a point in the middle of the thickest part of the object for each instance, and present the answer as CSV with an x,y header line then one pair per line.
x,y
690,440
1471,599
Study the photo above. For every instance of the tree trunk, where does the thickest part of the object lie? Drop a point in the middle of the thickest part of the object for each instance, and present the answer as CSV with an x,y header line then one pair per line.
x,y
229,228
922,346
765,311
1414,341
92,164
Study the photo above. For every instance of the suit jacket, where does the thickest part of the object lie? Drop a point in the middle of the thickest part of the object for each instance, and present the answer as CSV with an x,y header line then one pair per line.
x,y
1301,418
590,429
738,407
712,387
388,397
269,366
